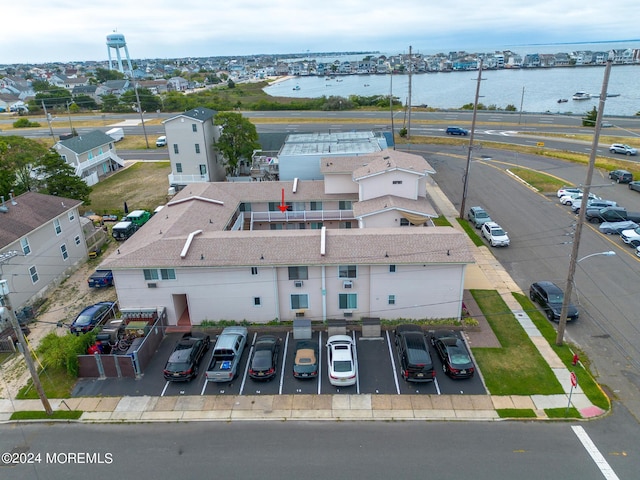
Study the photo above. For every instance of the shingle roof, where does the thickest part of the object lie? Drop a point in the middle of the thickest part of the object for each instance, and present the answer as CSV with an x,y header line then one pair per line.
x,y
32,210
208,208
390,202
201,114
393,160
86,141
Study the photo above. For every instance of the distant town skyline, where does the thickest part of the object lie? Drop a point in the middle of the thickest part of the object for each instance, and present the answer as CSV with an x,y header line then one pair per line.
x,y
65,31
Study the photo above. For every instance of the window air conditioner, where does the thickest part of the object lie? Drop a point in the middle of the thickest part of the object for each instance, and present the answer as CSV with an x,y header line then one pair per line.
x,y
348,313
300,313
298,283
152,285
347,284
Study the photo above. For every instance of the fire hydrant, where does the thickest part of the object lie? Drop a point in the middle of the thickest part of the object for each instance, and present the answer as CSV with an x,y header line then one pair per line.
x,y
576,359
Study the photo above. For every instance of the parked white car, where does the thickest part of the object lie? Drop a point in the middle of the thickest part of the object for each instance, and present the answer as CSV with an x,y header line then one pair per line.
x,y
161,141
494,233
576,198
567,191
342,360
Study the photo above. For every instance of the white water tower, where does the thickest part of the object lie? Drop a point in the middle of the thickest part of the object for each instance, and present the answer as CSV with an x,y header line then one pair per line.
x,y
116,41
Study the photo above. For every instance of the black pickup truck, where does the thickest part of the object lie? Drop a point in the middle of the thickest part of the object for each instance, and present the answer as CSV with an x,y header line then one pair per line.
x,y
611,214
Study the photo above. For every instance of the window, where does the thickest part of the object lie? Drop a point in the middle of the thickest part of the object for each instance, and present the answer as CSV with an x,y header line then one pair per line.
x,y
299,301
347,301
24,243
347,271
194,127
33,271
298,273
245,207
175,148
159,274
77,239
150,274
203,169
344,205
397,182
344,225
392,269
167,274
71,215
197,148
57,227
63,250
179,167
404,222
275,226
257,301
316,225
316,206
392,299
273,206
296,206
254,270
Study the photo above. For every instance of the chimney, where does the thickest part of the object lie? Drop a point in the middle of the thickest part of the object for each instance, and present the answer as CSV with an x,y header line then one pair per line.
x,y
3,208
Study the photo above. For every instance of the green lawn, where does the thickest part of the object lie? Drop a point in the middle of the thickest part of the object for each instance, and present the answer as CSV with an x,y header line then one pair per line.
x,y
517,368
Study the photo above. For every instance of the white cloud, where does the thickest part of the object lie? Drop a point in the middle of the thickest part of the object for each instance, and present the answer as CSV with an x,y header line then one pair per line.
x,y
59,30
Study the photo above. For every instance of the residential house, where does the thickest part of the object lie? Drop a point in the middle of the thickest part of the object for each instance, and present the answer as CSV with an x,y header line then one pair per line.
x,y
113,87
190,139
93,155
227,251
177,84
41,241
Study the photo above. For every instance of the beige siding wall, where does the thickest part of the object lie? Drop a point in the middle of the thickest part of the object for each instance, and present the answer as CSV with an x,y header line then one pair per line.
x,y
339,183
379,185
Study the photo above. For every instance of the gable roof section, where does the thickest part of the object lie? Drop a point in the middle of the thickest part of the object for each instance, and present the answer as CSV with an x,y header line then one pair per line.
x,y
87,141
422,206
201,114
32,210
393,160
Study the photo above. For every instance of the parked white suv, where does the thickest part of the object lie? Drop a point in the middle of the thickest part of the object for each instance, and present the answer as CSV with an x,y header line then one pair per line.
x,y
494,233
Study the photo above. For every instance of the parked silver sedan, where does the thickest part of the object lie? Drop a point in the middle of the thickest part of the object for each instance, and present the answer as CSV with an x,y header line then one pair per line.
x,y
615,228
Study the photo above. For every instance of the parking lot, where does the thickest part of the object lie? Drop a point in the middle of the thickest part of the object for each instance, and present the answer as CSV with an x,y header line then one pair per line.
x,y
378,373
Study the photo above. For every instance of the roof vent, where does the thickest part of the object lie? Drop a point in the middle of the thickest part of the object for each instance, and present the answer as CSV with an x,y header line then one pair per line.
x,y
3,208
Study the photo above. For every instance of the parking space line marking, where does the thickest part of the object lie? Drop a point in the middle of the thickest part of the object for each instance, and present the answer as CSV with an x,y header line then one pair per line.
x,y
355,357
284,359
164,390
435,382
319,362
595,454
204,387
393,364
246,369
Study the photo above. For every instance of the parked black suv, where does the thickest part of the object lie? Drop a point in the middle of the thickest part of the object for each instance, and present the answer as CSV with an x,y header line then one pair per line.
x,y
413,352
550,298
621,176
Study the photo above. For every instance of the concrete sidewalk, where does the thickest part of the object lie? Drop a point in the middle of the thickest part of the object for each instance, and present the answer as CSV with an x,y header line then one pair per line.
x,y
487,273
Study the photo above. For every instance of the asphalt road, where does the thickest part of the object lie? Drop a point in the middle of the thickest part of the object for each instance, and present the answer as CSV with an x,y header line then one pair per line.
x,y
315,450
606,288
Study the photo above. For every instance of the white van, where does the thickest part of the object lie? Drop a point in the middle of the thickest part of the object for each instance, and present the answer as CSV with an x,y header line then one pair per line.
x,y
161,141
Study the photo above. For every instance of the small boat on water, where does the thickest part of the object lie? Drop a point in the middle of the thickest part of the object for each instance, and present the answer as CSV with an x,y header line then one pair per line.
x,y
581,96
562,100
297,87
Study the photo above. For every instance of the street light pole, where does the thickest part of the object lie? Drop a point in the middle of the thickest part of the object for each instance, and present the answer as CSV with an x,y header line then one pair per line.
x,y
562,323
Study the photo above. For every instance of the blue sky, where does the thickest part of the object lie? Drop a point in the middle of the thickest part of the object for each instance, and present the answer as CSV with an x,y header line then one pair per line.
x,y
64,30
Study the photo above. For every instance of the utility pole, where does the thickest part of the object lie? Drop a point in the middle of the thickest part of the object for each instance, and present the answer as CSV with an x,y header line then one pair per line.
x,y
465,188
393,134
44,107
409,99
562,323
135,89
69,116
4,290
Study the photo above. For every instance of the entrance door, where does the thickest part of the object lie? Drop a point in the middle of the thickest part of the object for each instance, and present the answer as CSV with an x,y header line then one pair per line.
x,y
181,307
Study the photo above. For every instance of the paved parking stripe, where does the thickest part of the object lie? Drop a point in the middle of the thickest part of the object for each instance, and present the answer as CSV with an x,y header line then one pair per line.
x,y
284,359
246,370
319,379
355,358
393,364
595,454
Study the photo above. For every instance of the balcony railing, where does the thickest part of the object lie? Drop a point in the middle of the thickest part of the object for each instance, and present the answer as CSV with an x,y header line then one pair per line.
x,y
97,160
186,179
302,216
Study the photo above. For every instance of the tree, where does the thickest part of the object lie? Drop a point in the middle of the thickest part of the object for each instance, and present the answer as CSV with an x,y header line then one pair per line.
x,y
54,96
589,120
148,101
59,179
103,75
239,138
18,156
